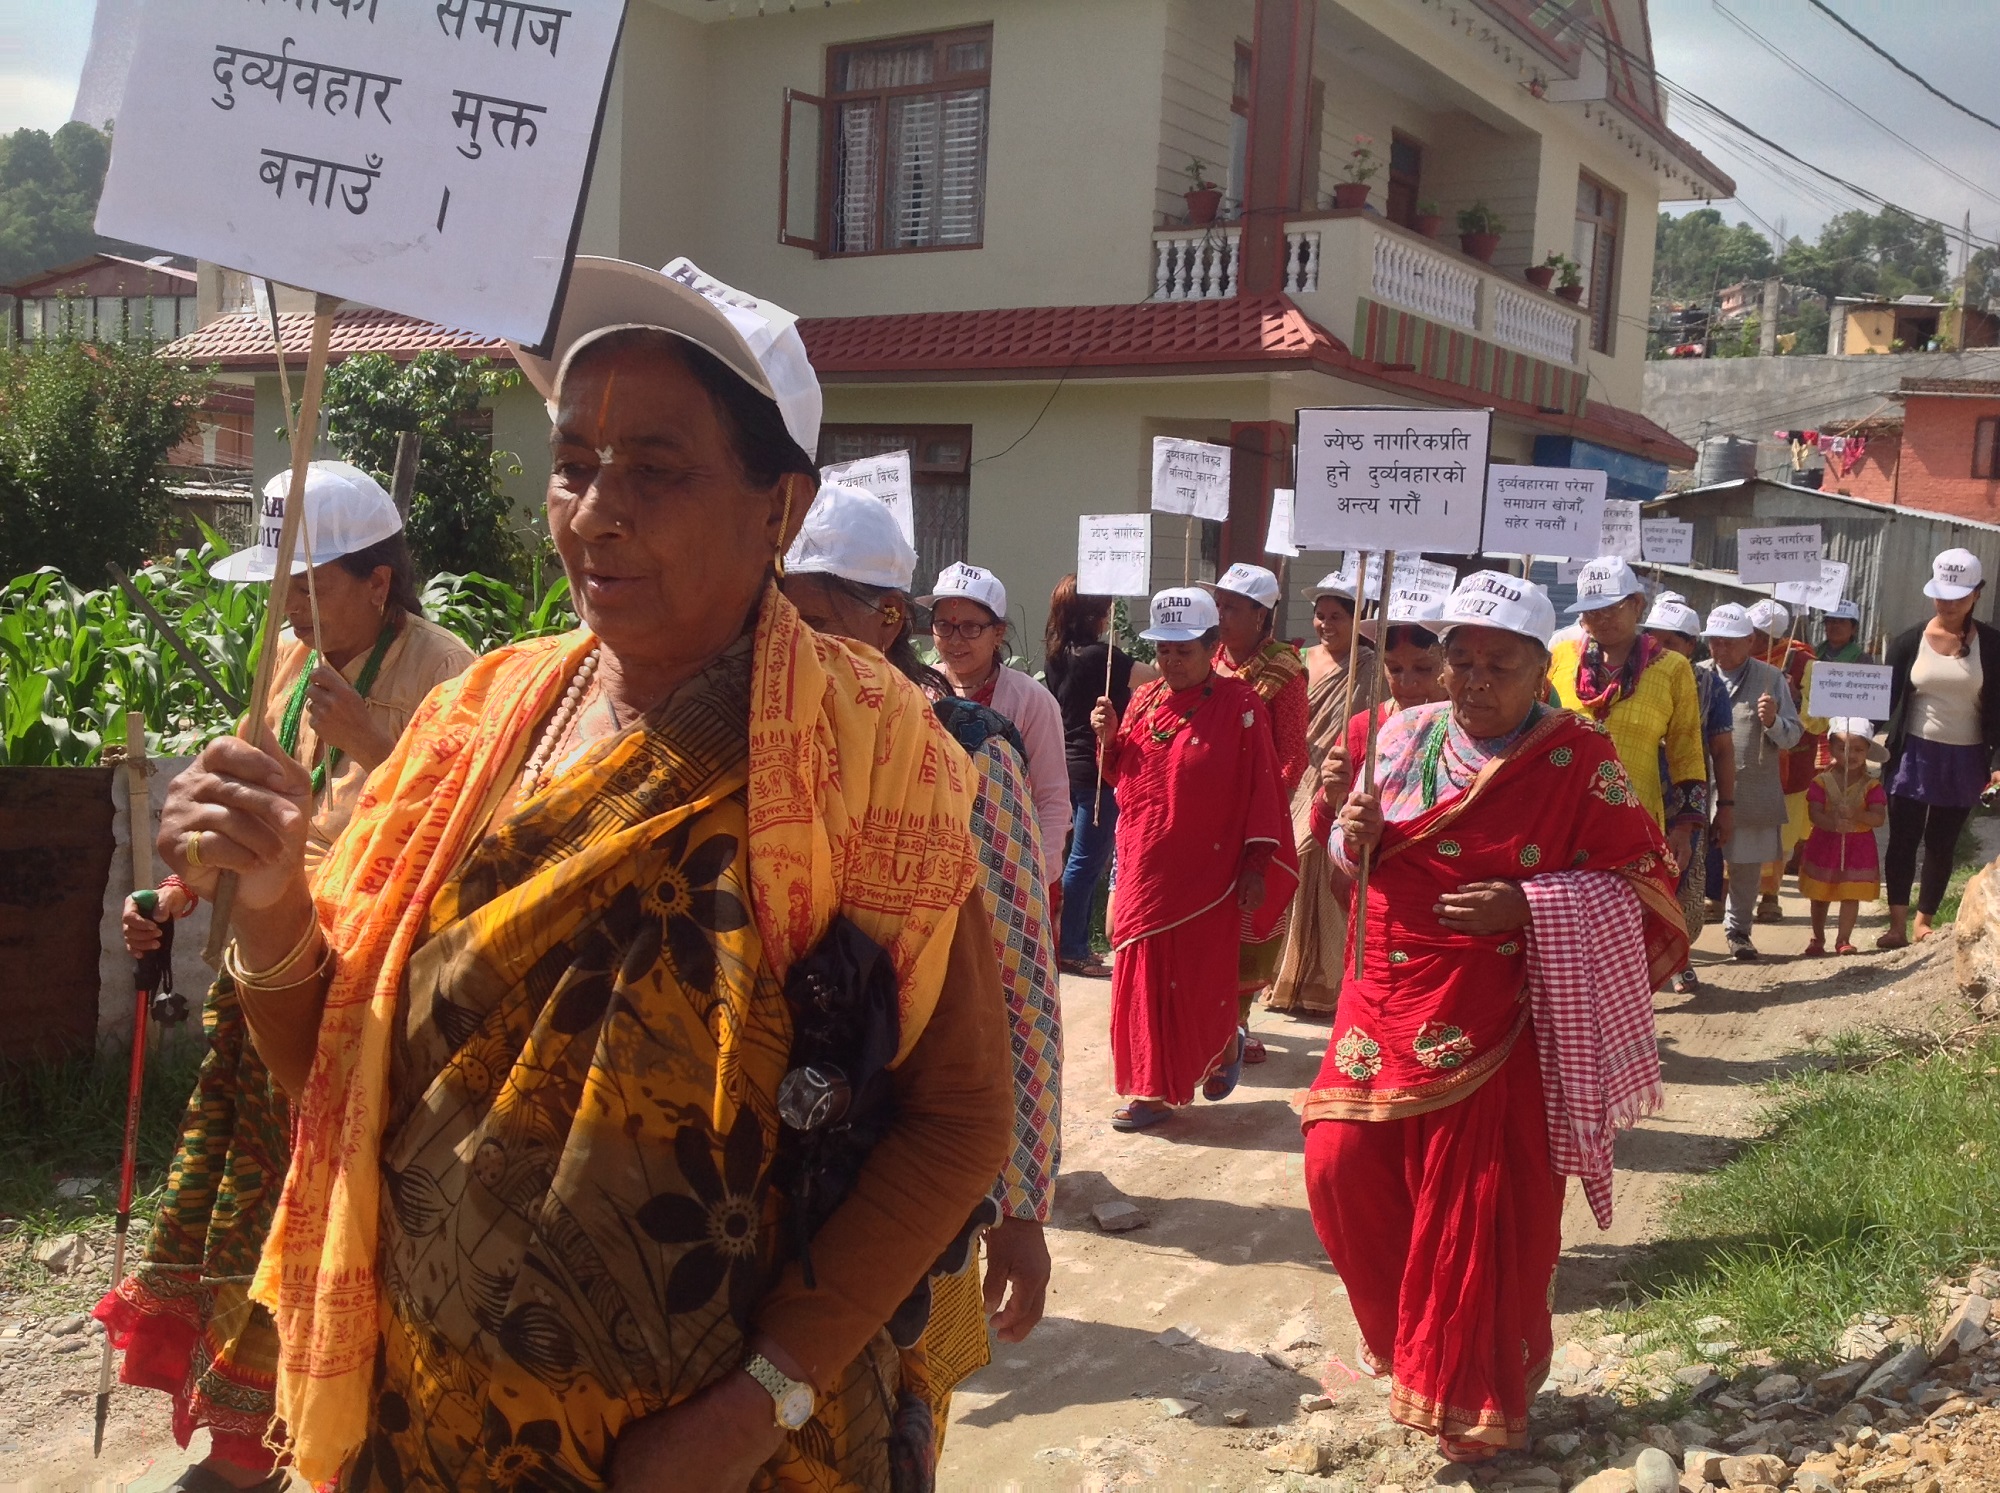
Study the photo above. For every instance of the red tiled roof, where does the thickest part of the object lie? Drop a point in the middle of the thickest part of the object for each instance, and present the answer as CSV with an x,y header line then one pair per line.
x,y
1978,387
1631,431
243,340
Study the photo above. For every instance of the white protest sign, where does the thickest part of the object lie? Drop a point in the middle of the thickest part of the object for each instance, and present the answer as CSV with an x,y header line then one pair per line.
x,y
1766,556
1620,534
1568,570
1278,536
1114,554
888,478
1849,689
1190,477
1666,541
1557,511
1419,583
1391,479
1345,580
1823,594
426,158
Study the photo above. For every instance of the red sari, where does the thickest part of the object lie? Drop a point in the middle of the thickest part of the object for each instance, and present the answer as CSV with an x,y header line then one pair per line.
x,y
1428,1159
1198,800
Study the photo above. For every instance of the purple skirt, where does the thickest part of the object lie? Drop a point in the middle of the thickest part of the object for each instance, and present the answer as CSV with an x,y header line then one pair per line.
x,y
1939,774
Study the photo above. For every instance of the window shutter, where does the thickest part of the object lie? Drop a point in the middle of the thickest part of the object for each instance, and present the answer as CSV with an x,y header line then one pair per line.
x,y
962,185
799,170
913,180
856,189
1982,447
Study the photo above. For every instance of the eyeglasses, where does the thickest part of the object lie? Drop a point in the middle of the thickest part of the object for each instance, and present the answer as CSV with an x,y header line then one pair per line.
x,y
966,630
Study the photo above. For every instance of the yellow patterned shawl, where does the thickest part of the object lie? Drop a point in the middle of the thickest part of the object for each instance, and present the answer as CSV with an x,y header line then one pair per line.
x,y
858,803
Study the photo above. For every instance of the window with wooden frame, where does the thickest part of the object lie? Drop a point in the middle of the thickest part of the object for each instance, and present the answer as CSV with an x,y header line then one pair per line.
x,y
901,136
1599,216
940,482
1985,436
1406,176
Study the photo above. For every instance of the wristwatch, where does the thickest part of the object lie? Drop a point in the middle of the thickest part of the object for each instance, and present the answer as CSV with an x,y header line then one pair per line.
x,y
793,1397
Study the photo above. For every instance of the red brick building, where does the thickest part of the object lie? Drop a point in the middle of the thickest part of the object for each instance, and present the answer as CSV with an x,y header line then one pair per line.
x,y
1942,456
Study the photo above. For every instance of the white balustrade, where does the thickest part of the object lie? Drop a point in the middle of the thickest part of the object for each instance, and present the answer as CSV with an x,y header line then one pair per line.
x,y
1196,266
1408,275
1301,262
1529,324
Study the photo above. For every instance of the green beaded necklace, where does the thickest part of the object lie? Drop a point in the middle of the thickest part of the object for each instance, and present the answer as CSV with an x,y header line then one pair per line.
x,y
295,707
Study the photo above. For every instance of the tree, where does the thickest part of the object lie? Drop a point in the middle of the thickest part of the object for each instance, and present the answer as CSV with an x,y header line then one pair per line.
x,y
458,515
1885,254
1695,255
49,186
83,431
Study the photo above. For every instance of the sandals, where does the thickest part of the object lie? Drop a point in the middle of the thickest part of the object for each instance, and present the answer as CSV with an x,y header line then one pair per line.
x,y
1140,1114
1221,1082
1253,1050
1845,948
1092,968
1891,941
1815,948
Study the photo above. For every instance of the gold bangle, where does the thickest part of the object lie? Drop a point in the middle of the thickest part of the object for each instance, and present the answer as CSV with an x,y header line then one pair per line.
x,y
263,977
264,985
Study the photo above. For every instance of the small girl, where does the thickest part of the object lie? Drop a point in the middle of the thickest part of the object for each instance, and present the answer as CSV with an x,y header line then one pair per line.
x,y
1846,803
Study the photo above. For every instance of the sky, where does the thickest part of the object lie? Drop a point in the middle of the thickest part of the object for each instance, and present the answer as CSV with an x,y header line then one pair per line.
x,y
1952,42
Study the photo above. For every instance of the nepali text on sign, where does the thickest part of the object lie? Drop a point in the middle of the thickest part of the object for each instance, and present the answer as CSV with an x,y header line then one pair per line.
x,y
429,158
1417,585
1823,594
1620,533
1278,534
1114,554
1850,689
1391,479
1349,570
1765,557
1554,511
1666,541
887,477
1190,477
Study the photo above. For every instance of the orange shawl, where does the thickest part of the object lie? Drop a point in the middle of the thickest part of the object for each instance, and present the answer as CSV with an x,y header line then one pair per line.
x,y
858,803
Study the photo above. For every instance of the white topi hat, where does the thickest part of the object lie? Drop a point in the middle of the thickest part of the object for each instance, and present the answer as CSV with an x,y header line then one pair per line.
x,y
1859,725
972,584
1408,611
1769,616
1492,598
1182,615
755,340
1844,611
1729,621
1955,575
852,534
1605,582
346,511
1253,581
1671,614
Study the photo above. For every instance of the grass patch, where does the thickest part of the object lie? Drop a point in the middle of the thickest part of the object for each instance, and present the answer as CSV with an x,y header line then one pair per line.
x,y
1872,1182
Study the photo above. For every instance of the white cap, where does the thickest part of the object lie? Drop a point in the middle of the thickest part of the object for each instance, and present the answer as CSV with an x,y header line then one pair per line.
x,y
1728,621
1605,582
1333,584
1859,725
1492,598
972,583
1845,611
1408,611
1183,615
852,534
1769,616
1253,581
1671,614
1955,575
756,340
346,511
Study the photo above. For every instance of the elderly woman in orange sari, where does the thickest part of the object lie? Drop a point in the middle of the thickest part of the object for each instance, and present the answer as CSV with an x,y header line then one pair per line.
x,y
1502,1027
643,1030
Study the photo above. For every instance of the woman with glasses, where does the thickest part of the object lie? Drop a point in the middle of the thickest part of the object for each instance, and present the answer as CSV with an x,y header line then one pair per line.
x,y
969,625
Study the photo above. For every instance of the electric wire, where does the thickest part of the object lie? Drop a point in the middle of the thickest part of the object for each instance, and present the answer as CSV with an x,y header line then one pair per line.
x,y
1909,72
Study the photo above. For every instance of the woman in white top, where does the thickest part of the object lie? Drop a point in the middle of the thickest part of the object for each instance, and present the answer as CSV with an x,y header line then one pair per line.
x,y
1944,724
969,626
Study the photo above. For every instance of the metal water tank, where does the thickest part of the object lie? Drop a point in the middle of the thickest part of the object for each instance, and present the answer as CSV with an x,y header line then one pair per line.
x,y
1725,458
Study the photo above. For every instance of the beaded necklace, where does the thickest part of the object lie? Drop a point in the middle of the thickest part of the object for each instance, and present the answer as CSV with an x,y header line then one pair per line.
x,y
560,724
1179,720
295,707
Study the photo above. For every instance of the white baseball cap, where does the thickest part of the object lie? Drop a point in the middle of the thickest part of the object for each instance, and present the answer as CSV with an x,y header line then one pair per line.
x,y
346,511
1253,581
1859,725
1671,614
1605,582
1183,615
1407,611
1845,611
1334,584
1492,598
1770,617
852,534
1955,575
1728,621
973,584
755,340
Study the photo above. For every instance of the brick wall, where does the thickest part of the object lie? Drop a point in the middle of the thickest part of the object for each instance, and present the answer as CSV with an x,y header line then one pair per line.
x,y
1874,477
1937,457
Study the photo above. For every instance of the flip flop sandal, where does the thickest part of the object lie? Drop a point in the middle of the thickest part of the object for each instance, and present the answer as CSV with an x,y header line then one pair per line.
x,y
1815,949
1253,1050
1140,1116
1221,1083
1845,948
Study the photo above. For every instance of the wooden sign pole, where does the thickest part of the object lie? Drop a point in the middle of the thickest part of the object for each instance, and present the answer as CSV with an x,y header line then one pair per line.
x,y
281,585
1110,657
1368,766
1187,554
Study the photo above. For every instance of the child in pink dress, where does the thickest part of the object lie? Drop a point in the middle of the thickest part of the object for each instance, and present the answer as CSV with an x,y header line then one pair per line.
x,y
1846,803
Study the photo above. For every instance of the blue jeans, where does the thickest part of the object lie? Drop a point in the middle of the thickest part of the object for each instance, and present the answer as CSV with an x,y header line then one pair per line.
x,y
1089,858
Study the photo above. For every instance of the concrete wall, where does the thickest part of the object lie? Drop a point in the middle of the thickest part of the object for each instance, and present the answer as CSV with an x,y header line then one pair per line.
x,y
1937,458
192,977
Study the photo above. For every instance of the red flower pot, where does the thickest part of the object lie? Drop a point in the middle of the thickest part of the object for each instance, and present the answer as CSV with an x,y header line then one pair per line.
x,y
1481,246
1541,276
1203,203
1350,196
1571,293
1430,225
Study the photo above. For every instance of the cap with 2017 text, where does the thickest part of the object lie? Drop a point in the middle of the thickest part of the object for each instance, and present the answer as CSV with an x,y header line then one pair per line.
x,y
1184,614
1492,598
1955,575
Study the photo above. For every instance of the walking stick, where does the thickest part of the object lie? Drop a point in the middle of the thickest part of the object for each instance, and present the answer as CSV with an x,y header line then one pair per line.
x,y
1368,770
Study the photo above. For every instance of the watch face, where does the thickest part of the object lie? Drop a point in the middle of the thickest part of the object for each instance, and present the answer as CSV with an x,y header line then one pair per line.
x,y
796,1408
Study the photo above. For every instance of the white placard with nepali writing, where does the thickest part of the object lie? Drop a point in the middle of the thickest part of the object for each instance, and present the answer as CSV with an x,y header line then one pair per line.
x,y
886,476
1114,554
1666,541
1823,594
1554,511
1190,477
426,157
1419,583
1620,534
1849,689
1278,535
1391,479
1765,557
1348,564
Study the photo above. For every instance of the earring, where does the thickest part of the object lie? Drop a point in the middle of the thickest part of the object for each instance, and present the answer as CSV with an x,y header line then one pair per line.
x,y
893,615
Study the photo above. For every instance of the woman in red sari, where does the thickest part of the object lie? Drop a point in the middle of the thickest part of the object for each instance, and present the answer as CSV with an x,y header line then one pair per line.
x,y
1520,913
1205,859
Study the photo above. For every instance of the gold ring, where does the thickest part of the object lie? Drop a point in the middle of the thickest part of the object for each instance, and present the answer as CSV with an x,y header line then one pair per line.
x,y
191,849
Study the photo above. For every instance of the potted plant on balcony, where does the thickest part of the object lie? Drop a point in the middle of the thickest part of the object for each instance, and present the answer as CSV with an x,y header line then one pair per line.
x,y
1569,281
1204,197
1427,220
1352,195
1543,275
1479,230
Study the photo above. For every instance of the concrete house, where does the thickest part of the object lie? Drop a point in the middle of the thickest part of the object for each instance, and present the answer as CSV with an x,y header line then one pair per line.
x,y
982,209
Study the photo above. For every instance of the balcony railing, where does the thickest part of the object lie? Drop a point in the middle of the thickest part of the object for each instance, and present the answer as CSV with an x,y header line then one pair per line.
x,y
1333,261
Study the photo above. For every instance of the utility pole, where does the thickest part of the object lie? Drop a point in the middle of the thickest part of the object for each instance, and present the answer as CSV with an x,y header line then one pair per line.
x,y
1964,285
1767,331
